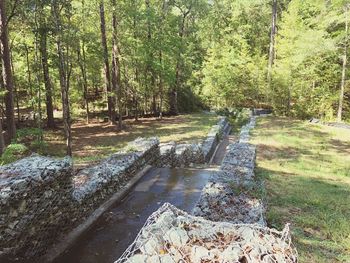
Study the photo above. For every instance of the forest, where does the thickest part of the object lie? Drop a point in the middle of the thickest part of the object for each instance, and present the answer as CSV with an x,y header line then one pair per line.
x,y
120,59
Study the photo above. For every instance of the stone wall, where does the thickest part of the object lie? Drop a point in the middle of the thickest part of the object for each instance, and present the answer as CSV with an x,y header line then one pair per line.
x,y
184,155
33,192
233,193
93,185
41,198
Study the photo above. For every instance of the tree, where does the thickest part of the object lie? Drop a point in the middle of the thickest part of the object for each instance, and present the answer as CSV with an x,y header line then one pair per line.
x,y
272,41
7,72
116,83
64,73
111,108
43,30
342,85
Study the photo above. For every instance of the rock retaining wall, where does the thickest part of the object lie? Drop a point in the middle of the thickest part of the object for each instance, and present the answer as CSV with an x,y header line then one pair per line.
x,y
232,193
93,185
184,155
41,199
228,225
171,235
34,192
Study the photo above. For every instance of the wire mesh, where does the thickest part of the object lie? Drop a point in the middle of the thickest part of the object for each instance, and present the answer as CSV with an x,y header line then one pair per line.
x,y
172,235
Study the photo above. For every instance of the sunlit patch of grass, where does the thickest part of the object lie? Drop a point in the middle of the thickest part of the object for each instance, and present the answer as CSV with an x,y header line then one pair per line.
x,y
98,140
307,173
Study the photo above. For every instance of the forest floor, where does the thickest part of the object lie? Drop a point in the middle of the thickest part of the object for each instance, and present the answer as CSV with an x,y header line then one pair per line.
x,y
96,140
307,172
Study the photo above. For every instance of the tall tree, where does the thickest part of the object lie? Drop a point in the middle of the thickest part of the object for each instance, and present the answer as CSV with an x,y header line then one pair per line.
x,y
64,73
272,42
342,85
116,82
111,107
43,30
173,94
7,72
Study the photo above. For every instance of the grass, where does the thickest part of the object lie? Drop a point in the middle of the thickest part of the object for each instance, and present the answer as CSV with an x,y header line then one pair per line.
x,y
307,173
98,140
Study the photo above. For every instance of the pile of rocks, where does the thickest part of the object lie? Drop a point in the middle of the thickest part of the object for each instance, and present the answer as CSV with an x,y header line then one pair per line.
x,y
231,193
95,184
184,155
32,193
236,231
244,135
224,202
209,144
187,154
167,154
171,235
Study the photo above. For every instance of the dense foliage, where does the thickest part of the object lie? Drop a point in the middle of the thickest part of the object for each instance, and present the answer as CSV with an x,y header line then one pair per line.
x,y
308,59
137,57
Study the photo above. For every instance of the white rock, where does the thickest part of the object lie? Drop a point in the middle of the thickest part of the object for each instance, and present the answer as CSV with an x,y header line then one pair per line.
x,y
137,259
177,236
199,253
231,254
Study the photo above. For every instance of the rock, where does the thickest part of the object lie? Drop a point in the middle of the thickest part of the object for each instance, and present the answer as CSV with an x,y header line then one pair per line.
x,y
138,259
231,254
176,236
152,247
199,253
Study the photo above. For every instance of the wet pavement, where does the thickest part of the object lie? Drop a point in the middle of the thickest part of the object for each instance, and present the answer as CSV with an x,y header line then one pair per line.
x,y
221,151
118,227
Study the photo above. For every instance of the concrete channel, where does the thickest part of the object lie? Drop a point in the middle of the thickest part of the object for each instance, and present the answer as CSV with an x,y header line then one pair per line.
x,y
117,227
111,228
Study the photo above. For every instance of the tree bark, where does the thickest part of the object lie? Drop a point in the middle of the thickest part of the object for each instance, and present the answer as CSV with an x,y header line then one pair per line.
x,y
82,65
7,73
272,41
116,82
175,88
110,97
64,78
47,80
29,75
342,85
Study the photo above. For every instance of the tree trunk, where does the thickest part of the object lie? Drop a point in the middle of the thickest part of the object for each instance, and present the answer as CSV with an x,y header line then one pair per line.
x,y
64,78
29,74
272,42
7,73
116,82
342,85
47,79
16,92
2,141
110,100
174,90
82,65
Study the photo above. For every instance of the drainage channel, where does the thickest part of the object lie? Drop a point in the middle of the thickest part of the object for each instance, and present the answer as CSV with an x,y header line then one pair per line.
x,y
118,227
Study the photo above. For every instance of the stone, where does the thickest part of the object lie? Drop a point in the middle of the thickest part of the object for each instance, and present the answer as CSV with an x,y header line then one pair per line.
x,y
176,236
138,259
231,254
152,247
199,253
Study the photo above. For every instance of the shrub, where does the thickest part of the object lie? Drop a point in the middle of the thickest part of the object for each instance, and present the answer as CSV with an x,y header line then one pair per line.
x,y
38,146
26,135
13,152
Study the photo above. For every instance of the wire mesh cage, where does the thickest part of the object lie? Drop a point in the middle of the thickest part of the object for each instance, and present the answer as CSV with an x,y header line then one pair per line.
x,y
172,235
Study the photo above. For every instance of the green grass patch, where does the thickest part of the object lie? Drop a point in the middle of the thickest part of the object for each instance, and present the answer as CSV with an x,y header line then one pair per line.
x,y
307,173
